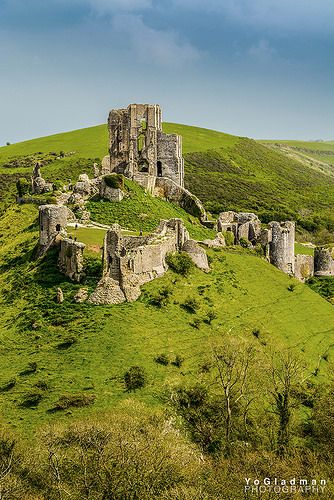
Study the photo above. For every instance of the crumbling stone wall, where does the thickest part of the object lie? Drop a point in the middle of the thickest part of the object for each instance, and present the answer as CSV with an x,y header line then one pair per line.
x,y
304,267
282,246
53,220
71,261
168,189
38,184
242,225
131,261
139,149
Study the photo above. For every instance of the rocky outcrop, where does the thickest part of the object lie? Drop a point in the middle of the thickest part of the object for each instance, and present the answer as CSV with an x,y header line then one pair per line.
x,y
81,295
217,242
197,254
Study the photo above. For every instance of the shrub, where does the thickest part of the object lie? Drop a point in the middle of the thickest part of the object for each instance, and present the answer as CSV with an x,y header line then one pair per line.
x,y
256,332
196,323
134,378
210,317
22,187
178,361
191,305
31,368
229,238
76,400
93,266
162,359
180,263
161,297
115,181
58,185
259,250
8,385
244,243
32,398
291,287
67,342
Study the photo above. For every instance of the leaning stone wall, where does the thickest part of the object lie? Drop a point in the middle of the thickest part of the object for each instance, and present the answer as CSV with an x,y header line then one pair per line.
x,y
70,260
168,189
169,154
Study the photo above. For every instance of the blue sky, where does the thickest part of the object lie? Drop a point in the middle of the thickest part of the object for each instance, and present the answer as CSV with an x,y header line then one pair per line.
x,y
258,68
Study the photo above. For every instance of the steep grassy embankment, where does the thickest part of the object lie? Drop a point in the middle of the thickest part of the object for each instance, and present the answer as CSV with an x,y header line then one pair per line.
x,y
51,349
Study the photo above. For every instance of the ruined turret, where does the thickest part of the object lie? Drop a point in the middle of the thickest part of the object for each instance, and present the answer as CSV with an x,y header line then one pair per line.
x,y
53,220
323,261
282,246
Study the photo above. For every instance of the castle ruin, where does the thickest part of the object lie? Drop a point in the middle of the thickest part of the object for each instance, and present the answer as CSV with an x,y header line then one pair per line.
x,y
140,150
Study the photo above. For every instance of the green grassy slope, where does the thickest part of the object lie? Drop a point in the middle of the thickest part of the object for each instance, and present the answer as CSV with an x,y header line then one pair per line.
x,y
321,151
225,171
81,348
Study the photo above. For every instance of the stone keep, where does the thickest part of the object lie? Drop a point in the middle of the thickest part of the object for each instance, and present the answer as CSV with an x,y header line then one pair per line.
x,y
140,150
282,246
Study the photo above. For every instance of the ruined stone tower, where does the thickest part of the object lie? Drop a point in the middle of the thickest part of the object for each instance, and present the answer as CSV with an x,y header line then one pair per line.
x,y
140,150
282,246
53,220
323,261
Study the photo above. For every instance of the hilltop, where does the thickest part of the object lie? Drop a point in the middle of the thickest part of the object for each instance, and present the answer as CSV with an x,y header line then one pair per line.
x,y
276,180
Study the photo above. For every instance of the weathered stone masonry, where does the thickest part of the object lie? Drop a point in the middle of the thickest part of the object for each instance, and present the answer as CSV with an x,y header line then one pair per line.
x,y
141,151
131,261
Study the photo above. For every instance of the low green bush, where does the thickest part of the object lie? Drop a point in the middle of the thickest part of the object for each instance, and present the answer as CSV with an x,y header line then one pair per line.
x,y
180,263
32,398
191,305
23,186
76,400
134,378
229,238
162,359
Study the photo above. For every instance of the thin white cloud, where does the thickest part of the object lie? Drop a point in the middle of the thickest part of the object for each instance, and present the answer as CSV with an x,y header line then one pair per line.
x,y
151,46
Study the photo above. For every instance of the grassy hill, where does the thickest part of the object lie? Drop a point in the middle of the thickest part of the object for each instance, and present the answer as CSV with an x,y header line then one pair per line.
x,y
277,179
52,349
